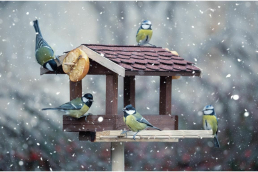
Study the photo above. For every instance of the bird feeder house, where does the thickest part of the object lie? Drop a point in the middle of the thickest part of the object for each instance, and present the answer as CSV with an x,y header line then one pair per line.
x,y
115,61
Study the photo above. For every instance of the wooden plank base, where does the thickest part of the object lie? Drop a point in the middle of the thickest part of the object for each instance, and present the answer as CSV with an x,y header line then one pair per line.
x,y
150,135
170,133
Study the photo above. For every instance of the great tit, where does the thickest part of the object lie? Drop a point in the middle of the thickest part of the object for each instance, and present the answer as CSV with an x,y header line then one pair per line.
x,y
210,121
135,120
77,107
144,33
43,52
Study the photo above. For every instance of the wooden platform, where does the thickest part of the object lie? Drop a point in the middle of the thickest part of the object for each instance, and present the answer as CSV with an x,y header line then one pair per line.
x,y
147,135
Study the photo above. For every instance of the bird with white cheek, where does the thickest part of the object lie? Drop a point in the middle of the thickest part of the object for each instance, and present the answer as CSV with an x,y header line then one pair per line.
x,y
76,108
44,53
144,33
135,121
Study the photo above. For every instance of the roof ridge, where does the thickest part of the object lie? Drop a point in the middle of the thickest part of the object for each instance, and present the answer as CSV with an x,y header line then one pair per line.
x,y
120,45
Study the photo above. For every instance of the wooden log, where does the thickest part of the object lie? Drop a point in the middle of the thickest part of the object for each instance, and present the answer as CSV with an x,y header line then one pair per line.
x,y
129,90
165,95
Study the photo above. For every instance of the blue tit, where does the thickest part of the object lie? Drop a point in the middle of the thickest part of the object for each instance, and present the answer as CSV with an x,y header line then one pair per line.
x,y
144,33
210,121
43,52
77,107
135,120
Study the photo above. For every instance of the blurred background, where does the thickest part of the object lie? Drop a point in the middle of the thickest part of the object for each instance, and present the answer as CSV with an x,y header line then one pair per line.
x,y
220,37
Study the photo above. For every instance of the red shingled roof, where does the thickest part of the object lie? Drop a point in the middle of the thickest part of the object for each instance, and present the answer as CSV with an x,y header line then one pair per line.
x,y
145,58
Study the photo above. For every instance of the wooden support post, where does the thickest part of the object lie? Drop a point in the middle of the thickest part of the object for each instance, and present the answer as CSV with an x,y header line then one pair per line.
x,y
117,156
75,89
129,90
111,94
117,149
165,95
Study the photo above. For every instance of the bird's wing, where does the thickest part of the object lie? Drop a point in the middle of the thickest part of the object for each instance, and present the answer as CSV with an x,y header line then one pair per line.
x,y
140,119
138,31
43,55
212,121
216,122
75,104
40,42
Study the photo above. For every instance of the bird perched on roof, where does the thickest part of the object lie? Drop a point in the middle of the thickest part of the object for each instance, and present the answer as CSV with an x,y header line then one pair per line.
x,y
135,120
210,122
144,33
43,52
77,107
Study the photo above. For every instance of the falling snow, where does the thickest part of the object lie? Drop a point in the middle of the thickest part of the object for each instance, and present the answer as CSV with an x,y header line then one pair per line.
x,y
235,97
219,37
228,75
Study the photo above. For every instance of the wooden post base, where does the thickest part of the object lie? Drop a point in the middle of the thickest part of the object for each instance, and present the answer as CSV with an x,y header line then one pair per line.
x,y
117,156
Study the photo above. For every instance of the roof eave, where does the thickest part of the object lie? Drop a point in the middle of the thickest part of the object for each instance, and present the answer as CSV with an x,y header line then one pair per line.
x,y
103,61
161,73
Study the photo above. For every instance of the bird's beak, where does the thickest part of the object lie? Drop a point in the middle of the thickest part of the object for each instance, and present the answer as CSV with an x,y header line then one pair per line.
x,y
91,100
123,109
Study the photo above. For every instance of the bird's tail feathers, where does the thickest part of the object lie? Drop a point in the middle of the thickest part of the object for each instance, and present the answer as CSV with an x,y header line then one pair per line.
x,y
156,128
216,142
36,26
51,109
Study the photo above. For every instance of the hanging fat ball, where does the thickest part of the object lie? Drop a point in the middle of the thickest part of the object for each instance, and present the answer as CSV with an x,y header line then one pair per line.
x,y
76,64
135,121
76,108
210,122
44,53
144,33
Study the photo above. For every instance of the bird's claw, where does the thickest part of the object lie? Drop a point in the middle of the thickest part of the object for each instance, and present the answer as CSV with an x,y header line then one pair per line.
x,y
135,135
124,132
152,45
86,115
57,58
